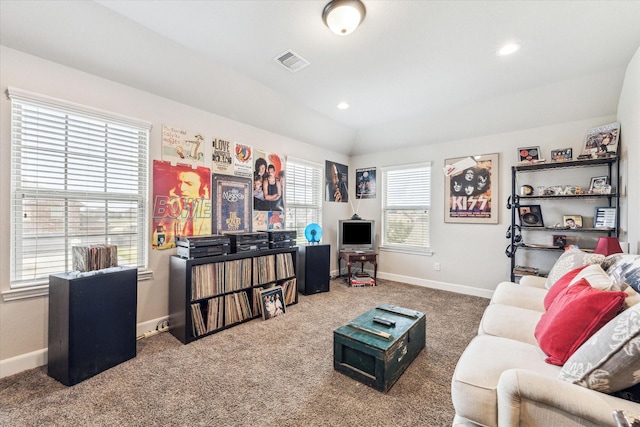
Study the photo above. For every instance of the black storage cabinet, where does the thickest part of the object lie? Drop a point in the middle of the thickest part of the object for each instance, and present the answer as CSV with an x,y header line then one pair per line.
x,y
92,323
313,268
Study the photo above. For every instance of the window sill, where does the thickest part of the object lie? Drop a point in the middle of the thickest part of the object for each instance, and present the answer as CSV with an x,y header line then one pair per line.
x,y
408,251
43,290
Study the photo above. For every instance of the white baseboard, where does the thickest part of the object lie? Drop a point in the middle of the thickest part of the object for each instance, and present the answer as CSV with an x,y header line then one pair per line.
x,y
38,358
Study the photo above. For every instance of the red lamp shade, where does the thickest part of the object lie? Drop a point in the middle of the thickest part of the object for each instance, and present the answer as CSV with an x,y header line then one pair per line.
x,y
607,246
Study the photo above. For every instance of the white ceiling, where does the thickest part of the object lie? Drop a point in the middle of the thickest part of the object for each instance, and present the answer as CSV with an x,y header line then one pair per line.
x,y
415,72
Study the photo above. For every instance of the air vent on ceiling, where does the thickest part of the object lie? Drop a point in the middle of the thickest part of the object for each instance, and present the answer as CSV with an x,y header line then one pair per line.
x,y
291,61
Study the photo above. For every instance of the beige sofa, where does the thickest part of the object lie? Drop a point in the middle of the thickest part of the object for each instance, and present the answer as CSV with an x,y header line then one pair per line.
x,y
502,378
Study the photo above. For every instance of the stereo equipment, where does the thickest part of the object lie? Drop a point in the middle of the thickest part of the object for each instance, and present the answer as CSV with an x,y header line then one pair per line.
x,y
245,242
279,239
190,247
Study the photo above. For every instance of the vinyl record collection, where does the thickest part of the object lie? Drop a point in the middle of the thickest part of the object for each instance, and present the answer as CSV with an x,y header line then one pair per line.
x,y
94,257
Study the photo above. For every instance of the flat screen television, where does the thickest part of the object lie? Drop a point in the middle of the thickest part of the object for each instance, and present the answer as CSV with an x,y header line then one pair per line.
x,y
356,235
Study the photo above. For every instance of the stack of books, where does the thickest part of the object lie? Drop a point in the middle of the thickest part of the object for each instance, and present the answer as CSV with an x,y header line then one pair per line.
x,y
362,279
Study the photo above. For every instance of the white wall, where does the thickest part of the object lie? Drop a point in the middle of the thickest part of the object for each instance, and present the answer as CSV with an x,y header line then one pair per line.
x,y
629,116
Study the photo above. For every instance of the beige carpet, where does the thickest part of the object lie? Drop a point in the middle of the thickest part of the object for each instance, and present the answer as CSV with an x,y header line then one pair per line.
x,y
262,373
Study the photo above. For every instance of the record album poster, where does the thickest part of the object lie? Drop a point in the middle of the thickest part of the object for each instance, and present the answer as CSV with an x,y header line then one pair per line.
x,y
366,183
233,204
182,146
268,182
181,203
471,195
242,160
336,182
221,156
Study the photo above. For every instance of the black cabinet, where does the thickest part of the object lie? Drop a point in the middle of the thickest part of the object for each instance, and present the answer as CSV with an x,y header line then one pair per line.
x,y
207,295
540,204
313,268
92,323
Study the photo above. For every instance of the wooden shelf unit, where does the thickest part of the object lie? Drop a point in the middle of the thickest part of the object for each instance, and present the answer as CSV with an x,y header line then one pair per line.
x,y
225,289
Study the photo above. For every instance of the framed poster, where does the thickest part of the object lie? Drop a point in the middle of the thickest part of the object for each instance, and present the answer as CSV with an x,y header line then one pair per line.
x,y
602,141
336,182
233,198
182,146
366,183
528,154
471,195
272,301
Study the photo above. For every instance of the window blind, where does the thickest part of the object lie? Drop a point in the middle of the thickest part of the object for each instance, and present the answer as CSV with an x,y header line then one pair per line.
x,y
79,176
303,195
406,203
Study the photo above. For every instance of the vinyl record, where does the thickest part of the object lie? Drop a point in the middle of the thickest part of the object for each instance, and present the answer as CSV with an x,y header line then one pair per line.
x,y
530,219
313,232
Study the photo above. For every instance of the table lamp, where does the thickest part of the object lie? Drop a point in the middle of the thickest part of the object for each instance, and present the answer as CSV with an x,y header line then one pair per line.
x,y
607,246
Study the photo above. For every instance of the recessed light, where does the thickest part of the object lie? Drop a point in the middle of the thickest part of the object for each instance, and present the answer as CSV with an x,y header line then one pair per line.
x,y
343,105
508,49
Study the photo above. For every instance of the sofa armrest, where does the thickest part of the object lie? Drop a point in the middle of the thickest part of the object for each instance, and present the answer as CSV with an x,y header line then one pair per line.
x,y
529,398
533,281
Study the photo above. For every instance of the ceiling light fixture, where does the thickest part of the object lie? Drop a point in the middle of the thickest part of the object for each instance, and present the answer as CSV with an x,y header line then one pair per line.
x,y
508,49
343,16
343,105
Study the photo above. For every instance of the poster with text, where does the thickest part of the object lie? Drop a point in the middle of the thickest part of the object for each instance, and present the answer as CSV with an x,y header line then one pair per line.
x,y
366,183
470,195
182,146
181,203
336,182
268,181
221,156
232,197
243,160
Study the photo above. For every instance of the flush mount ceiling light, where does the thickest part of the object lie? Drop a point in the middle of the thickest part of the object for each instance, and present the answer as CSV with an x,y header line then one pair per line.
x,y
508,49
343,16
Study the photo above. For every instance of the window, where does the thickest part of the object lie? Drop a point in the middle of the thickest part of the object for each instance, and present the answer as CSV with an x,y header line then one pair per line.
x,y
78,176
406,202
303,195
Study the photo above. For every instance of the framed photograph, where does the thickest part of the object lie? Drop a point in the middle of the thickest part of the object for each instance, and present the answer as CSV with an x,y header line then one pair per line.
x,y
598,184
559,241
530,216
272,301
602,141
471,191
528,154
562,155
572,221
605,217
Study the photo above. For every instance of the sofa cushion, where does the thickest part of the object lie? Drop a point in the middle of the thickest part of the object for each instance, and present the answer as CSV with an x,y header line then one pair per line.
x,y
498,320
560,285
624,269
571,260
596,277
610,360
475,380
577,313
509,293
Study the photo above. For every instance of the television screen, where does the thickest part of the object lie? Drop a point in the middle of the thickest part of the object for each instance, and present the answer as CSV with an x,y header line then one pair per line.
x,y
356,235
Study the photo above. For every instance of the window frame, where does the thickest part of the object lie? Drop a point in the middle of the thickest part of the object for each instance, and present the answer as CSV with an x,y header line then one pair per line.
x,y
405,205
314,208
24,107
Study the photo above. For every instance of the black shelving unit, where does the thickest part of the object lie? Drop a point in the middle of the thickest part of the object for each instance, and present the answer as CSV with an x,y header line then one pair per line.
x,y
517,241
228,288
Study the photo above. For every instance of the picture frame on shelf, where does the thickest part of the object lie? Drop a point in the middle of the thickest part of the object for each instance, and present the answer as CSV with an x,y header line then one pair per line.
x,y
598,184
529,155
572,221
605,217
559,241
562,155
530,216
602,141
272,301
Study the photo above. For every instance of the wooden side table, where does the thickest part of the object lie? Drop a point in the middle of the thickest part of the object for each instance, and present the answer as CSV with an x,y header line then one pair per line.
x,y
361,257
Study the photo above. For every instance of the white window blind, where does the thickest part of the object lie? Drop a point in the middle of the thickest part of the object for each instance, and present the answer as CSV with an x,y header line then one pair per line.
x,y
406,202
303,194
79,176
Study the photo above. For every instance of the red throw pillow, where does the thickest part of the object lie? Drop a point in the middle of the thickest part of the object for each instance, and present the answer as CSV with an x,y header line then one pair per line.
x,y
578,312
561,285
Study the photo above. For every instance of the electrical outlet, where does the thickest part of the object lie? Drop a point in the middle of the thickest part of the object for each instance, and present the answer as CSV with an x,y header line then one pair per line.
x,y
436,266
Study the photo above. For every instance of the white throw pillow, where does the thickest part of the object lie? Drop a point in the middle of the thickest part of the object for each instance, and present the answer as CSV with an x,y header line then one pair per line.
x,y
596,277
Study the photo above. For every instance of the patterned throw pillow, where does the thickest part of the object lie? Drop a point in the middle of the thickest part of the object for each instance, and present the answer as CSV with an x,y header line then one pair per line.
x,y
609,361
624,268
570,260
